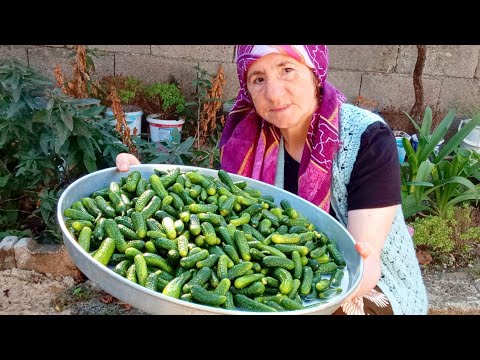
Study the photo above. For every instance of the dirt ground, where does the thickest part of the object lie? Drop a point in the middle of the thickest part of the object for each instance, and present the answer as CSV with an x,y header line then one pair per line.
x,y
28,292
25,292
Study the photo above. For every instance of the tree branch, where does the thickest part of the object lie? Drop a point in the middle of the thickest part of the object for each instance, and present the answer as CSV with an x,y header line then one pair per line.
x,y
417,108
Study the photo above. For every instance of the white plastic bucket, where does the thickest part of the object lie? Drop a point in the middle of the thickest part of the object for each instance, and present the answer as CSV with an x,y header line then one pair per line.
x,y
160,130
134,120
472,140
471,146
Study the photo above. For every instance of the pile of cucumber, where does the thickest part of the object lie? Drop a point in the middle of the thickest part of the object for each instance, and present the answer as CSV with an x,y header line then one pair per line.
x,y
208,240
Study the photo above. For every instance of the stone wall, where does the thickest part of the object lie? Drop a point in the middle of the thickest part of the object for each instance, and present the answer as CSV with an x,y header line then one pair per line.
x,y
381,74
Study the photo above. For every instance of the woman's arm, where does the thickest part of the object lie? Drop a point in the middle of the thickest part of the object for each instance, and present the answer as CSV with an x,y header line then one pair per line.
x,y
369,228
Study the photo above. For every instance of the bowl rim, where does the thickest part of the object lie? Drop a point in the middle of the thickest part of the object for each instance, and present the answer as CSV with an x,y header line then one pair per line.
x,y
204,308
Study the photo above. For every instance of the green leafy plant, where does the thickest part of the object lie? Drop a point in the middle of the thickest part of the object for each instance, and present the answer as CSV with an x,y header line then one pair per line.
x,y
18,233
193,108
206,117
434,233
430,181
472,169
165,100
172,151
129,88
210,117
47,140
454,233
208,156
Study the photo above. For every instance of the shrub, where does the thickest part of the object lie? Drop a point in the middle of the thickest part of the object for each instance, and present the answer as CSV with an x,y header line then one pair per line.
x,y
434,233
172,151
47,140
166,100
454,233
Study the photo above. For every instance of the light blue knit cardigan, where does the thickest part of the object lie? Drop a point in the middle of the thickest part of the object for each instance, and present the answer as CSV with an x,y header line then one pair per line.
x,y
401,279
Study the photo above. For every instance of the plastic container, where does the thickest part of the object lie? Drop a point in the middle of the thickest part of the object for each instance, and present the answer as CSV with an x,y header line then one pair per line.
x,y
134,120
471,146
472,140
401,151
399,135
414,142
436,149
160,130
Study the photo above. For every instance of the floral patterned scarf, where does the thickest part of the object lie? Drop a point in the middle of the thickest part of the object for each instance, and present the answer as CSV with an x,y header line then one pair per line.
x,y
249,145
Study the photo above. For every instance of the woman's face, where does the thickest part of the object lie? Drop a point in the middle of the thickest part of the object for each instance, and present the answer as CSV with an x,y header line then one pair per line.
x,y
283,90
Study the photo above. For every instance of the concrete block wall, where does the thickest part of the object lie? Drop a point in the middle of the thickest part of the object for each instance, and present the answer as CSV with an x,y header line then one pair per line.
x,y
382,73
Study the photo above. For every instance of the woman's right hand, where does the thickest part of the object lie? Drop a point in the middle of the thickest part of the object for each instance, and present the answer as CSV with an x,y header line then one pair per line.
x,y
124,160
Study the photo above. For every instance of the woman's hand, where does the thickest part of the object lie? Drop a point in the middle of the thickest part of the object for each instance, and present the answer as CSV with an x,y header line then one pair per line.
x,y
124,160
371,269
369,228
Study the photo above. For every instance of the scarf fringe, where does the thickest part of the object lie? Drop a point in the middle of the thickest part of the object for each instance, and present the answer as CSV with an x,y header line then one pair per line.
x,y
356,306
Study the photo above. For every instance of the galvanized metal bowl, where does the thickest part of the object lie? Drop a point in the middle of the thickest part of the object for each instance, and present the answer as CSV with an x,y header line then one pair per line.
x,y
156,303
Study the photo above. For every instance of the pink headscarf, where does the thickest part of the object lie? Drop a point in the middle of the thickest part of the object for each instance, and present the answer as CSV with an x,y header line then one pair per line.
x,y
249,145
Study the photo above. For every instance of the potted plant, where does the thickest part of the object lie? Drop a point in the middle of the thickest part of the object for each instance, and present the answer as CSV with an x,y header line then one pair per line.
x,y
431,181
165,105
130,92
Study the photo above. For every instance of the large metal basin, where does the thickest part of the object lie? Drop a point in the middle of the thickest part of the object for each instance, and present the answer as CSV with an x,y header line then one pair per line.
x,y
156,303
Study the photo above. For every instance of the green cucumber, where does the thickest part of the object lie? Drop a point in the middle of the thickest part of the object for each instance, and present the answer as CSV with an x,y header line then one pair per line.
x,y
132,180
245,303
105,251
113,232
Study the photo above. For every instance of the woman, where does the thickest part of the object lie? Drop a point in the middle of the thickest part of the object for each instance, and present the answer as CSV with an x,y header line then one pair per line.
x,y
291,128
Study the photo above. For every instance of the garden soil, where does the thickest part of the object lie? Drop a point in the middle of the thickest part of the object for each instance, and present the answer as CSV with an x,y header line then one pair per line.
x,y
25,292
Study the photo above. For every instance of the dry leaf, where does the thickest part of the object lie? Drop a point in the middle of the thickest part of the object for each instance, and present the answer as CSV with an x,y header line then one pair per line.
x,y
107,299
126,306
424,257
77,86
122,126
208,116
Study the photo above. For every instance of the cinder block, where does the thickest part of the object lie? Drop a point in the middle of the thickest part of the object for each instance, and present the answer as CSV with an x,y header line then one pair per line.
x,y
462,95
18,52
378,58
220,53
55,46
44,258
444,60
396,91
7,254
477,72
130,49
348,82
45,59
153,68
